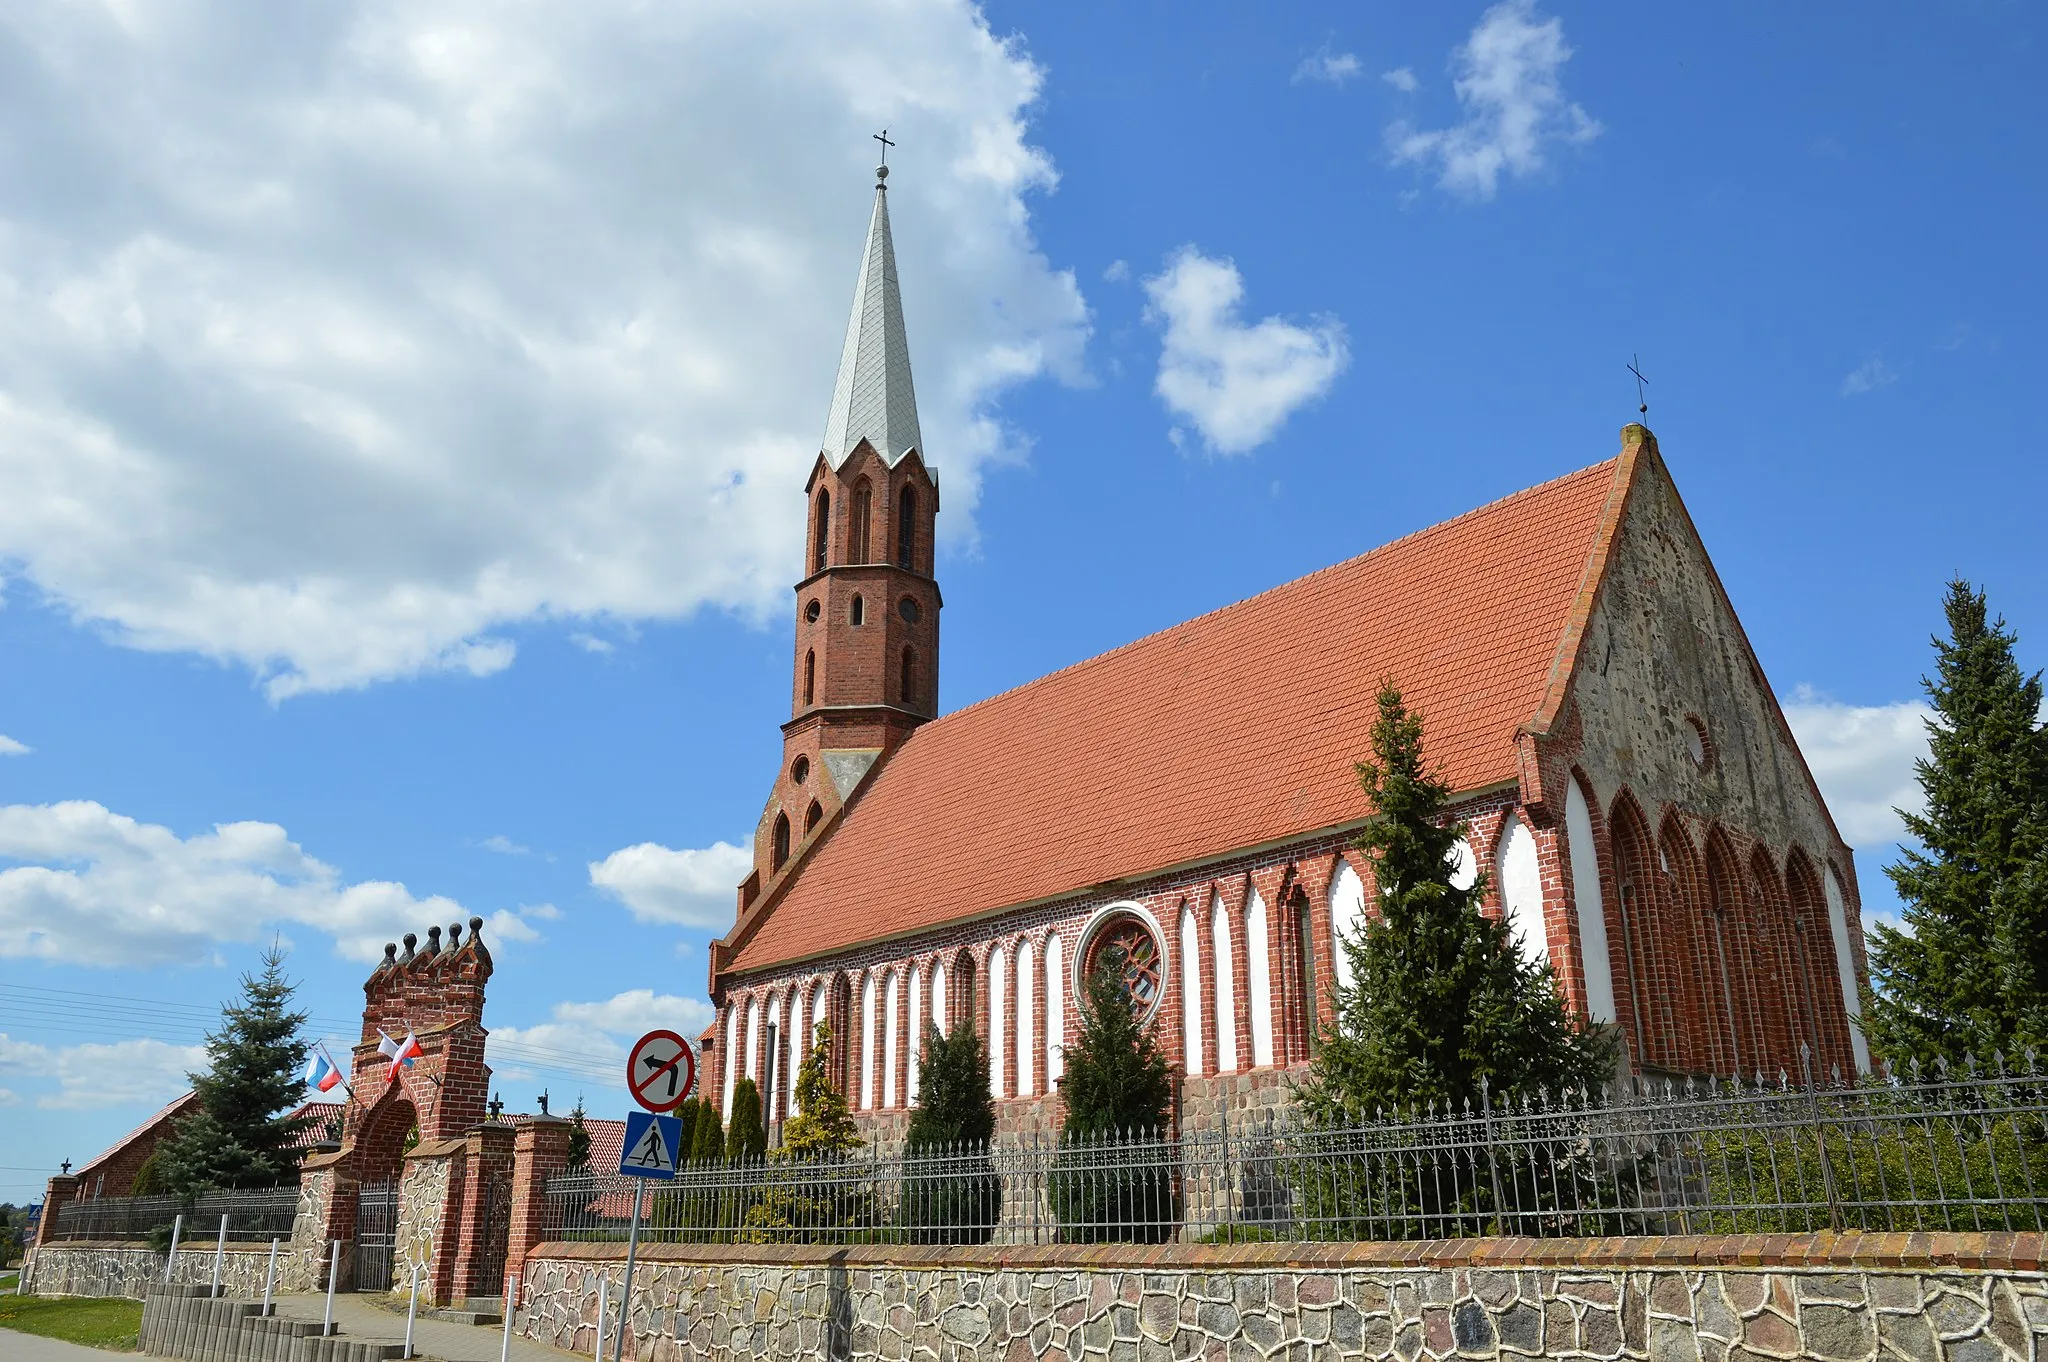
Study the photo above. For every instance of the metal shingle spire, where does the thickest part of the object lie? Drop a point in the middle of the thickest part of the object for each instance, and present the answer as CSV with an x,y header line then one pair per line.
x,y
872,398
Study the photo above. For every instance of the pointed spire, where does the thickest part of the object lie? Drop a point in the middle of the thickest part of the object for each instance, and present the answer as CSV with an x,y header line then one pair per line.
x,y
872,398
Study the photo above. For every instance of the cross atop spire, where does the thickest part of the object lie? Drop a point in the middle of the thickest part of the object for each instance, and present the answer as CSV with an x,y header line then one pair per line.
x,y
872,398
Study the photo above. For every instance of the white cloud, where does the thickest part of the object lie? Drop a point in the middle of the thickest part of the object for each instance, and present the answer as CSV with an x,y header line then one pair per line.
x,y
90,886
1868,376
1117,271
598,1031
693,888
1331,68
1235,383
1507,80
504,845
9,747
591,643
124,1073
1402,79
1862,756
331,348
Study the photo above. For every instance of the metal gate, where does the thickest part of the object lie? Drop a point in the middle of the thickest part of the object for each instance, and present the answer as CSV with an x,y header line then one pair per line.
x,y
376,1234
497,1236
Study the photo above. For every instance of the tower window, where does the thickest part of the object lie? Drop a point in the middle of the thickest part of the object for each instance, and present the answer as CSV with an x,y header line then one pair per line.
x,y
811,612
813,816
857,523
780,851
823,530
800,769
858,611
907,689
906,529
810,676
908,609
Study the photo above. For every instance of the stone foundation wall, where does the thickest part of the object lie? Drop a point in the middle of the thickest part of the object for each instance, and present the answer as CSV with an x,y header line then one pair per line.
x,y
1848,1298
103,1268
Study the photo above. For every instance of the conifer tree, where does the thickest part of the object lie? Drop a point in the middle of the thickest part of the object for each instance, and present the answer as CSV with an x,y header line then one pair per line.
x,y
954,1196
687,1114
823,1125
240,1135
1969,976
707,1142
1440,996
1117,1087
747,1138
579,1139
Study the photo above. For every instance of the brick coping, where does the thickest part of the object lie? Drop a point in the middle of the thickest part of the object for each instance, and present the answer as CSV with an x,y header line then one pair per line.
x,y
1992,1251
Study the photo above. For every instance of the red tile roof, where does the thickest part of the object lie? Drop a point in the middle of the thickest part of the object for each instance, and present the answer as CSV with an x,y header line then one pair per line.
x,y
1233,730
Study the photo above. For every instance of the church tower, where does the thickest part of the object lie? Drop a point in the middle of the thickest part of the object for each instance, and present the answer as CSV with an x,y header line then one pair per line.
x,y
867,607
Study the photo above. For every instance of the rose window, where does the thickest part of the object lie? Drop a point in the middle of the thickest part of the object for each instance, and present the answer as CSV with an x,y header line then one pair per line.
x,y
1125,948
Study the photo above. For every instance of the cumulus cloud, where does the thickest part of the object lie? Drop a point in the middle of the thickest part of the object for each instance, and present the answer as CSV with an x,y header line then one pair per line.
x,y
691,888
9,747
1507,78
505,846
1235,383
600,1031
1331,68
1868,376
1402,79
124,1073
331,349
90,886
1862,756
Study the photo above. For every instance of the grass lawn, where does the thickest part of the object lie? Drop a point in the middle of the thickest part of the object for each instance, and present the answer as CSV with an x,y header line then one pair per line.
x,y
97,1323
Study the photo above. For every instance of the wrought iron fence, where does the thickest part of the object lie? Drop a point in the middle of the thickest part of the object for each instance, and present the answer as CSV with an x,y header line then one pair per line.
x,y
1961,1149
261,1214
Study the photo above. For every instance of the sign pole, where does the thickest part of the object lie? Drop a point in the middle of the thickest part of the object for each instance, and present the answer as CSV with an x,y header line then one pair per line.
x,y
626,1292
220,1253
333,1272
269,1276
177,1228
511,1300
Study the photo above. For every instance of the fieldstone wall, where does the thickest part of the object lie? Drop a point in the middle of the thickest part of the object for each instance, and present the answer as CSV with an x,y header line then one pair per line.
x,y
422,1206
302,1263
1604,1300
123,1268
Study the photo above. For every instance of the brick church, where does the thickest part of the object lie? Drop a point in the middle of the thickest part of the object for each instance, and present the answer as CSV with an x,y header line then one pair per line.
x,y
1185,805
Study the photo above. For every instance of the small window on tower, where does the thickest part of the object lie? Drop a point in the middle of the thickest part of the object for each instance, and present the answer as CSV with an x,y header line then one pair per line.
x,y
858,611
812,611
800,769
810,675
822,531
780,850
857,524
908,609
906,529
813,816
907,687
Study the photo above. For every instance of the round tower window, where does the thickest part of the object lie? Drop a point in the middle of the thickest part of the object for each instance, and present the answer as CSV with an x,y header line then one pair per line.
x,y
908,609
811,612
800,769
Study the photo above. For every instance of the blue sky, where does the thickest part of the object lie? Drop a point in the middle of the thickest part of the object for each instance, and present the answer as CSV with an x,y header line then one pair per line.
x,y
403,420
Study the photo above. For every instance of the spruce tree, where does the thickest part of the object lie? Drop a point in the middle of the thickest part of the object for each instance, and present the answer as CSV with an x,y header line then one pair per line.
x,y
707,1142
747,1138
579,1139
1118,1090
1440,997
823,1125
240,1135
951,1195
1969,976
804,1192
687,1114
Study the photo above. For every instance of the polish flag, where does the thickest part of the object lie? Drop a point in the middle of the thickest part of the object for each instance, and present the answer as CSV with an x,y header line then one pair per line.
x,y
321,1073
402,1053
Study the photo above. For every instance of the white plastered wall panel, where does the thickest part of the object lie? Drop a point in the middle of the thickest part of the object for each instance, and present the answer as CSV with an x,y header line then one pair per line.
x,y
1347,916
867,1043
1226,987
1520,877
1592,906
1845,967
892,1035
1027,990
939,997
1259,978
1055,1011
1191,990
998,982
916,1032
732,1056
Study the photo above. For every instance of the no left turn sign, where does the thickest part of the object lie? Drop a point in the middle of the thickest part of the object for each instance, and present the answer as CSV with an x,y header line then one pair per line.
x,y
661,1071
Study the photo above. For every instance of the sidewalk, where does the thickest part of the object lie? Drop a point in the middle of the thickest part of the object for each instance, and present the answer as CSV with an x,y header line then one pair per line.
x,y
20,1347
360,1319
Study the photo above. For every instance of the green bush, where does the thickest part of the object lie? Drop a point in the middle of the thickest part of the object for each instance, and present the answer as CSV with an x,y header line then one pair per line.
x,y
1112,1177
950,1192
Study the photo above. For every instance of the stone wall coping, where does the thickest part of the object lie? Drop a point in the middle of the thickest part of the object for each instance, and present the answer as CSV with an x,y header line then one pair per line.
x,y
1993,1251
187,1247
433,1149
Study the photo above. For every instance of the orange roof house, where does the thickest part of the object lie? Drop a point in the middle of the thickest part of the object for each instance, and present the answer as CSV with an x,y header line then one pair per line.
x,y
1184,804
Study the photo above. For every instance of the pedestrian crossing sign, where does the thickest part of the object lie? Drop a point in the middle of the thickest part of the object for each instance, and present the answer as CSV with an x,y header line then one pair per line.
x,y
652,1146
